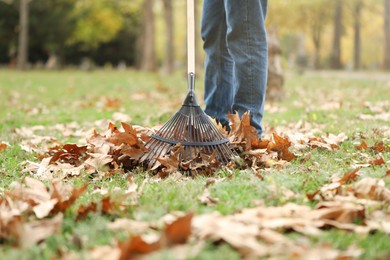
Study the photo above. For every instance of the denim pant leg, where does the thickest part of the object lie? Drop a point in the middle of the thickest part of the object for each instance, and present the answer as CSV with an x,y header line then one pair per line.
x,y
247,45
218,95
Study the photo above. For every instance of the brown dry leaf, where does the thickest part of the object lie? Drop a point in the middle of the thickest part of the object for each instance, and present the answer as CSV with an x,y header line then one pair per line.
x,y
334,140
97,161
112,103
281,145
98,142
379,220
64,200
387,173
383,116
84,210
330,190
137,227
179,230
242,132
377,161
371,188
272,237
136,246
34,232
278,143
69,153
170,162
235,122
41,170
330,142
317,142
134,152
3,146
129,136
326,252
380,147
207,199
237,234
104,253
67,170
350,176
43,209
33,191
362,146
115,202
339,211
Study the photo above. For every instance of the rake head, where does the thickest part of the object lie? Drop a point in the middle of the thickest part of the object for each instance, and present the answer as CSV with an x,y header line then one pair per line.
x,y
193,130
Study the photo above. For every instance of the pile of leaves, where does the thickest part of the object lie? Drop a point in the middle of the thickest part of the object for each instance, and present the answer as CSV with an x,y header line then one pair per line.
x,y
119,149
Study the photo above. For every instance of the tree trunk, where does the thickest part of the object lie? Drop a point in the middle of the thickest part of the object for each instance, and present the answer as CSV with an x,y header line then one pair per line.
x,y
22,58
148,52
316,37
168,63
275,81
335,62
386,64
357,37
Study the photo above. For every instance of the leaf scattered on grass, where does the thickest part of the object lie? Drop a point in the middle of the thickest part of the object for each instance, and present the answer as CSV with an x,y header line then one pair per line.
x,y
3,146
26,209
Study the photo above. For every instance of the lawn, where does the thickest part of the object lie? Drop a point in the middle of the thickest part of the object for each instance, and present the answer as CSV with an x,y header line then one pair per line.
x,y
65,105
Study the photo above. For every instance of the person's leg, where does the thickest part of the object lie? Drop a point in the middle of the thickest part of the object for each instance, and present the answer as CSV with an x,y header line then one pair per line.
x,y
247,44
218,95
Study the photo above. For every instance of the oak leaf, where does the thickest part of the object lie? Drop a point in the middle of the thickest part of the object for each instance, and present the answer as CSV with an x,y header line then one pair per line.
x,y
129,136
281,146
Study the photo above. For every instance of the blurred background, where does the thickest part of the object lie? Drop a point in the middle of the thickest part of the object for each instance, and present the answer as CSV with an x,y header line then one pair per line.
x,y
150,34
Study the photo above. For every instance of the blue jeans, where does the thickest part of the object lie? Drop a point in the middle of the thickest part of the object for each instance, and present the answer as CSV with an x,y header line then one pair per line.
x,y
235,42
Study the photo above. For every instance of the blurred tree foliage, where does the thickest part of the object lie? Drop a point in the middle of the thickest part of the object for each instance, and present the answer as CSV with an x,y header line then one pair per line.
x,y
307,28
110,31
103,30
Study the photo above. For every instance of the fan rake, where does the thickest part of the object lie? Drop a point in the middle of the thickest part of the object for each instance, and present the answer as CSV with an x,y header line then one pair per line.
x,y
193,130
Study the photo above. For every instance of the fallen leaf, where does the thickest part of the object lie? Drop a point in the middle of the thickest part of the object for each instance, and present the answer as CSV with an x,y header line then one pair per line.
x,y
207,199
34,232
281,146
69,153
112,103
242,132
178,231
377,161
339,212
2,147
135,246
105,253
362,146
43,209
137,227
129,136
350,176
63,202
380,147
84,210
373,189
98,161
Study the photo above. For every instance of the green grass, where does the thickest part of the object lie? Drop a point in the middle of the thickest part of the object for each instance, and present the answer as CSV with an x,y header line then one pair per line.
x,y
47,98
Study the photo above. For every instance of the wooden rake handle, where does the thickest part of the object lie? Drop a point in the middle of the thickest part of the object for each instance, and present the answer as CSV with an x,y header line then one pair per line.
x,y
191,36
